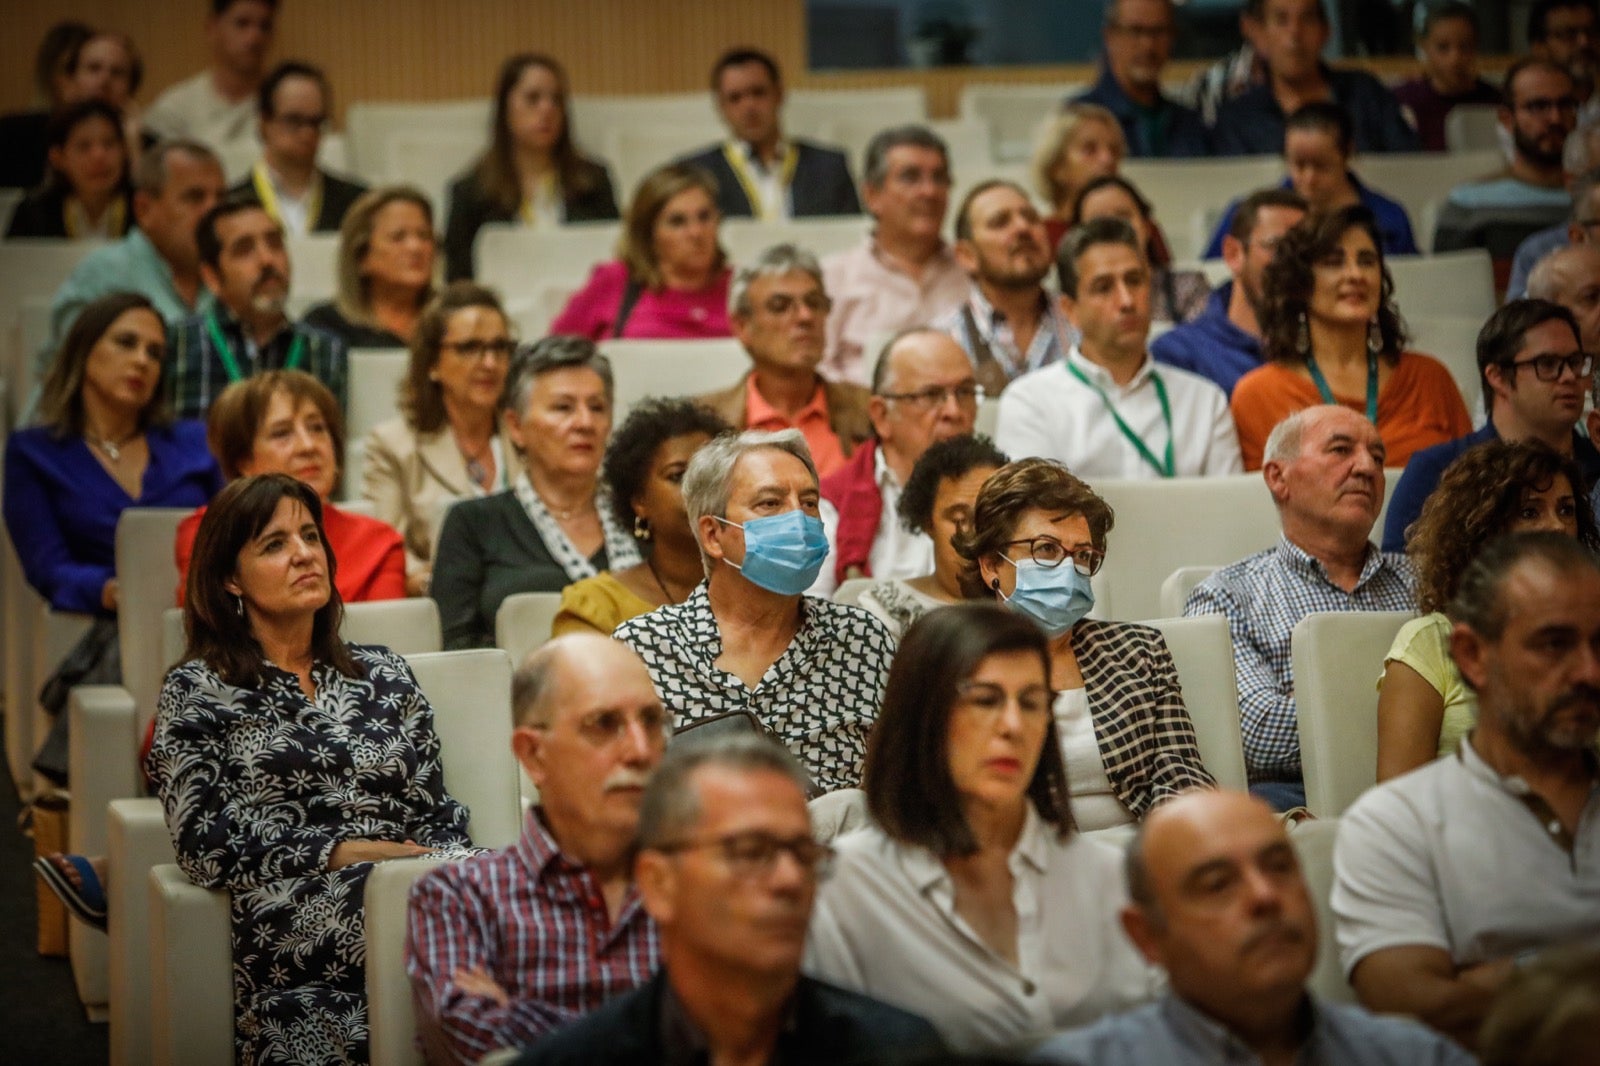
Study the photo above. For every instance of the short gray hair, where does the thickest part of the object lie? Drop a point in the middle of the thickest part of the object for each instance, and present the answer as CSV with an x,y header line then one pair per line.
x,y
150,176
533,685
773,262
709,474
875,166
1544,280
671,804
1141,892
559,352
1283,443
1581,190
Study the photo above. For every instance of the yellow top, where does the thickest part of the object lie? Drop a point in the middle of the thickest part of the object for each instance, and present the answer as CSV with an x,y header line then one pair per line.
x,y
597,604
1424,645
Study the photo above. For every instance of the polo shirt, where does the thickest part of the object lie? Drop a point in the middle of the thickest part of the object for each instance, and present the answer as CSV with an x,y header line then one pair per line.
x,y
811,420
1253,123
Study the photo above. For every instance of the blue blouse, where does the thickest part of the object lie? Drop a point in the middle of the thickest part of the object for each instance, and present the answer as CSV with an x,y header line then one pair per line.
x,y
61,506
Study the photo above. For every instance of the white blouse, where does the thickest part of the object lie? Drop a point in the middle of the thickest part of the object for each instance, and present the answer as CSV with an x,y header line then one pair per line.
x,y
1094,803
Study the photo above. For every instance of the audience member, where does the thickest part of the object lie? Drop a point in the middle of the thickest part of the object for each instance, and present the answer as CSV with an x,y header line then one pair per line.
x,y
293,106
759,173
1525,351
1331,334
23,133
1570,277
1324,468
217,106
643,474
1219,902
810,670
532,173
1581,226
937,503
1176,295
778,307
973,898
1224,343
1567,33
1106,411
1443,884
670,277
728,868
1548,1013
290,812
108,67
1137,35
247,330
555,525
386,268
1292,36
1234,74
1447,45
1008,325
1079,143
903,274
1037,535
87,193
508,946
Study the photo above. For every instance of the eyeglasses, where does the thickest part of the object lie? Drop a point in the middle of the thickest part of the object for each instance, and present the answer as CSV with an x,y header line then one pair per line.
x,y
935,396
604,728
1549,367
1050,553
990,699
474,350
753,854
782,303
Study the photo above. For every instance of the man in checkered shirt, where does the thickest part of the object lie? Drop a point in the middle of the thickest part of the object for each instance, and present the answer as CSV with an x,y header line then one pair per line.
x,y
1324,467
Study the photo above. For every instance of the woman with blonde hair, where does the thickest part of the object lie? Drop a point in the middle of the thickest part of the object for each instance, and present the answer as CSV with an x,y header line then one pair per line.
x,y
1081,143
386,270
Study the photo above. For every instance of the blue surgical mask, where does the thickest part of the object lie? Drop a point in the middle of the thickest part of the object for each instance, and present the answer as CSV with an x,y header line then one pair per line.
x,y
1055,597
783,553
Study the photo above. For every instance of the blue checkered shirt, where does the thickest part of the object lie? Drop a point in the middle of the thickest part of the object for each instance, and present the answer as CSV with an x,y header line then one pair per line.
x,y
1263,597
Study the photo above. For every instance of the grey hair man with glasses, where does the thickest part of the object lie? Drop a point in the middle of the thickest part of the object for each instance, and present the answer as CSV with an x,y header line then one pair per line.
x,y
728,868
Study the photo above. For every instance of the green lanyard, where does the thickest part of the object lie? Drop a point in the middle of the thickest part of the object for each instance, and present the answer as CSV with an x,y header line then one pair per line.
x,y
1162,469
1372,385
297,350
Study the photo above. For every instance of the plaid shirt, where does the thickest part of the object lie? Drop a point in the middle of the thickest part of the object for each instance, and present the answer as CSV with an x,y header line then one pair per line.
x,y
1263,597
536,921
196,374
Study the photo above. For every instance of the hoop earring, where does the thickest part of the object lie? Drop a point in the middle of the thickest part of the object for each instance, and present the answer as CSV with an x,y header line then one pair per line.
x,y
1374,337
1302,337
641,528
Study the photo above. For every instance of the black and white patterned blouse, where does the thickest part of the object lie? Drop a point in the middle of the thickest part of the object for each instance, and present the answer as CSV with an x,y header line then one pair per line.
x,y
820,698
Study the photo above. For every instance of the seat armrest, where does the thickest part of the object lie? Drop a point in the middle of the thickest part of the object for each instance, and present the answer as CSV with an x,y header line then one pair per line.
x,y
191,972
137,843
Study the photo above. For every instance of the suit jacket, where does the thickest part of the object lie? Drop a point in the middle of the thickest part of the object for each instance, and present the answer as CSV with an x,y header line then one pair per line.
x,y
337,196
40,214
847,410
470,210
821,184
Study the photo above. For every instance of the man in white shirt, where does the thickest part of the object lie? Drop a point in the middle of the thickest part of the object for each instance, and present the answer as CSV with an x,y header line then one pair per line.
x,y
1448,878
217,106
1106,410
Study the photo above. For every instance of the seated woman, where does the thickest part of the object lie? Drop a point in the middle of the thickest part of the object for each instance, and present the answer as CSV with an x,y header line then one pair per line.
x,y
555,526
670,277
643,472
341,758
1081,143
386,270
974,900
446,444
1175,295
1424,706
87,191
810,670
532,172
1037,535
1331,334
936,502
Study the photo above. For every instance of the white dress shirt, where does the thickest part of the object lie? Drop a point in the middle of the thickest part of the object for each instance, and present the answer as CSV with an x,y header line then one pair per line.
x,y
895,552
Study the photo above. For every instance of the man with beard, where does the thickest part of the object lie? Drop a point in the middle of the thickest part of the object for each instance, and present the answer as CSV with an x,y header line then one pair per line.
x,y
1224,343
244,263
1219,902
1450,877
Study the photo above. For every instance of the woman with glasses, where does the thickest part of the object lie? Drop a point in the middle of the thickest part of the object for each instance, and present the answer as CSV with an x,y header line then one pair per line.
x,y
974,899
447,443
1037,536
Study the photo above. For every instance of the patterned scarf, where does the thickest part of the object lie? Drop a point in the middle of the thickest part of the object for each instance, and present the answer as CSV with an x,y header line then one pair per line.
x,y
620,548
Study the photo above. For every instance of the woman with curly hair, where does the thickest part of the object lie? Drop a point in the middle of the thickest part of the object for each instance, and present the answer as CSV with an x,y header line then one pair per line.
x,y
1331,334
1424,707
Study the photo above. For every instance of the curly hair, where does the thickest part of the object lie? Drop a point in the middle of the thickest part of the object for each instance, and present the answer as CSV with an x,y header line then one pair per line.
x,y
948,459
633,448
1289,278
1011,492
1477,500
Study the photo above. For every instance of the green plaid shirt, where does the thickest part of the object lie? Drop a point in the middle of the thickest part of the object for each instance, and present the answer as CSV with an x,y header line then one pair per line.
x,y
197,373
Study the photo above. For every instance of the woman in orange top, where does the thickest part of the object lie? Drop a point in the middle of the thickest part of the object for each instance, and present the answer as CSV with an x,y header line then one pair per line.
x,y
1331,334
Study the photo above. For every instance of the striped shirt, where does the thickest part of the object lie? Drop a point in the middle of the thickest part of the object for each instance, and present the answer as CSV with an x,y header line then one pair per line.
x,y
196,372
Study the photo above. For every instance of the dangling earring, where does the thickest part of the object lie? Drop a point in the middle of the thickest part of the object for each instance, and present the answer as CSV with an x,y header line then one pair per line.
x,y
1374,337
238,603
641,528
1302,337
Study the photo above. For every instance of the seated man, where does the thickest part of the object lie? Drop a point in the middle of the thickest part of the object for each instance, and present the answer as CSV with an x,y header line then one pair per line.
x,y
728,869
778,309
1137,36
294,102
1567,33
508,946
1219,902
1450,877
1447,45
1581,226
1324,467
760,173
1570,277
217,106
1106,410
246,267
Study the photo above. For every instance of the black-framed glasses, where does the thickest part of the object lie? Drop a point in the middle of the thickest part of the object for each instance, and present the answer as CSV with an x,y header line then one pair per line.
x,y
1050,553
967,395
1549,367
604,728
476,349
781,303
753,854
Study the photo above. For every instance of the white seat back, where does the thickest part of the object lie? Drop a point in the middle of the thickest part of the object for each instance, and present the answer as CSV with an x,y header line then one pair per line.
x,y
807,112
522,623
1313,843
1453,340
1447,284
850,591
1014,113
313,270
1184,189
1416,179
635,151
405,627
1203,652
470,692
596,119
1176,588
391,1017
147,581
645,368
369,127
1472,128
517,261
376,375
430,159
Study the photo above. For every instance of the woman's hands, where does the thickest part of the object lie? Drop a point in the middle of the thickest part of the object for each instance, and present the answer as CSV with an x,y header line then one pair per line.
x,y
347,852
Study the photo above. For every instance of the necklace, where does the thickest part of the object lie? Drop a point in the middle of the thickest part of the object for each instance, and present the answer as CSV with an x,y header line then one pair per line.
x,y
475,468
112,449
671,596
565,516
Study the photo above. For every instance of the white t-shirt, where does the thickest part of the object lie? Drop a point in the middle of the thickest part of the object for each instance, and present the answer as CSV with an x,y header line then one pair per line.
x,y
1094,803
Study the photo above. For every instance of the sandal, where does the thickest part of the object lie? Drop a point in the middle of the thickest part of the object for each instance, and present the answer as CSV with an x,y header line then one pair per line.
x,y
87,898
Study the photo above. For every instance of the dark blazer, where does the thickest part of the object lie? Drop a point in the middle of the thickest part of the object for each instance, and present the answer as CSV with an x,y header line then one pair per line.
x,y
847,410
821,186
337,196
39,214
470,209
830,1026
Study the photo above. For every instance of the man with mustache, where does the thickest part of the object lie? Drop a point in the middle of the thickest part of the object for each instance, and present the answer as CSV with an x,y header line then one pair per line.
x,y
1219,902
1138,36
510,945
244,263
1449,878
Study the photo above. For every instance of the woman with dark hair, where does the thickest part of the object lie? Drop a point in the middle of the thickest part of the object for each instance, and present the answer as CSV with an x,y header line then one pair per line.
x,y
386,270
1424,706
1331,334
973,900
532,172
643,473
87,192
1175,295
670,277
287,763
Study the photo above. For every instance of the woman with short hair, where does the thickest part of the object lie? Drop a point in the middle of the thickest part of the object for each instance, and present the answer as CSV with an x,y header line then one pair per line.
x,y
1082,142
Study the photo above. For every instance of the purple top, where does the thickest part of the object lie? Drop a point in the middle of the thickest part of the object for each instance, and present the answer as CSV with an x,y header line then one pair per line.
x,y
1427,108
659,314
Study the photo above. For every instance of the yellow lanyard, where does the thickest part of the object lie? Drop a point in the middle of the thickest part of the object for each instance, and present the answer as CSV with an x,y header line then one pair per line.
x,y
269,196
529,211
741,170
76,219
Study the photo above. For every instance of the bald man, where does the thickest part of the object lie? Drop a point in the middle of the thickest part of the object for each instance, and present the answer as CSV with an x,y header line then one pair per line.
x,y
510,945
1571,277
1218,901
